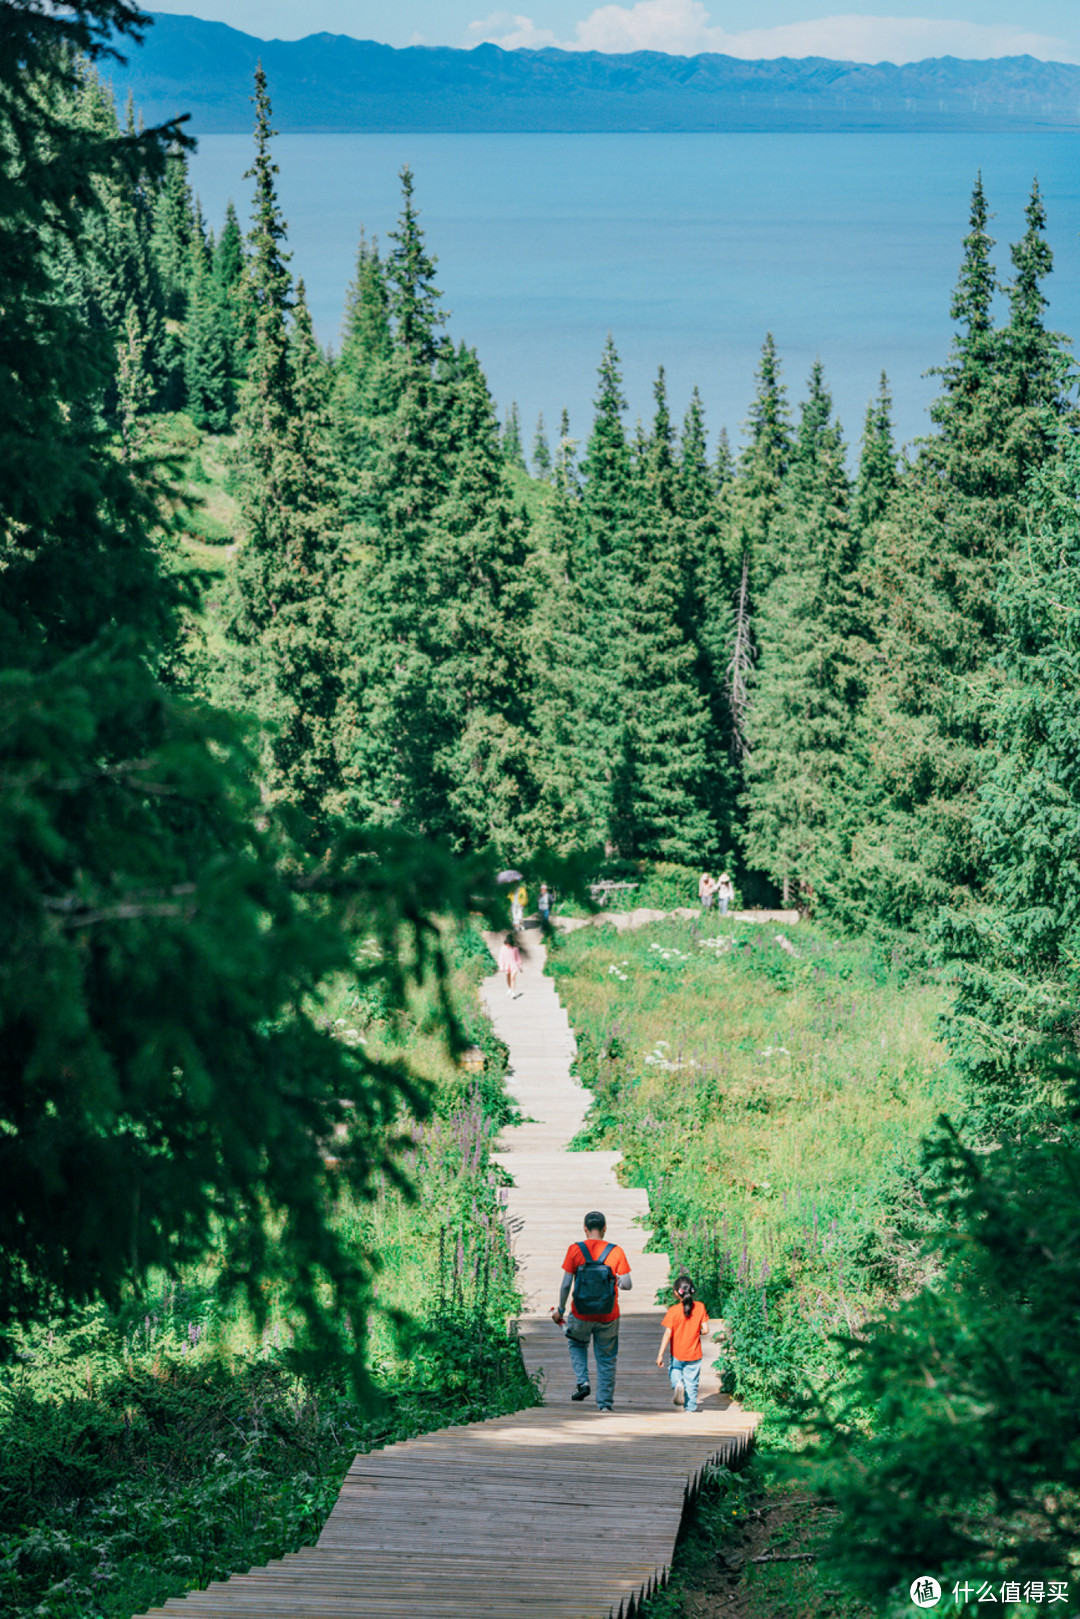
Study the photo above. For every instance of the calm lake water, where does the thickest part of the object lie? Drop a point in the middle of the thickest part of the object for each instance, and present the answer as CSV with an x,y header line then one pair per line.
x,y
688,248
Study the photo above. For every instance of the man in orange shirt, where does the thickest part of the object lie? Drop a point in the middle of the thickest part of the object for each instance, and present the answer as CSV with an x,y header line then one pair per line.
x,y
597,1271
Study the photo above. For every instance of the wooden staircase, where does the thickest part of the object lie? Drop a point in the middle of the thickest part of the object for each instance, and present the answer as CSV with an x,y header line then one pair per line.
x,y
490,1518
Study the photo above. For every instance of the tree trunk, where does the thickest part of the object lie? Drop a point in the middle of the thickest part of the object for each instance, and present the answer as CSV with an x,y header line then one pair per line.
x,y
737,674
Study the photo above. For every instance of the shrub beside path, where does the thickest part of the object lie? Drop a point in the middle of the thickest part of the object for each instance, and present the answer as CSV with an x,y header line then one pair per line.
x,y
560,1505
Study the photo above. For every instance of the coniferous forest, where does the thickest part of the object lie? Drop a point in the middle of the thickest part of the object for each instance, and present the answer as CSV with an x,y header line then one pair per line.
x,y
300,647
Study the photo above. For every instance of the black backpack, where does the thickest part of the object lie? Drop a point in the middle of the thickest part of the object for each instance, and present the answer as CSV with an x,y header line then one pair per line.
x,y
594,1284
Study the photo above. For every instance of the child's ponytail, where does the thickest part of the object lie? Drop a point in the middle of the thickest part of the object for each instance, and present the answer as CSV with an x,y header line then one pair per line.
x,y
684,1291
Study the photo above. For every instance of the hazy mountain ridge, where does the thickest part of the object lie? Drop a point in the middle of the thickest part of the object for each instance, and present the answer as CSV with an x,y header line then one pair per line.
x,y
330,82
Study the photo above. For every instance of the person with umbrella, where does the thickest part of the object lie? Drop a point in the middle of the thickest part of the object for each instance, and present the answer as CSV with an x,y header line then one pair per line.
x,y
518,896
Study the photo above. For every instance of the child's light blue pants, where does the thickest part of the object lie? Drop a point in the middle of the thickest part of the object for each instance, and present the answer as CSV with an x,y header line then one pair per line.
x,y
685,1374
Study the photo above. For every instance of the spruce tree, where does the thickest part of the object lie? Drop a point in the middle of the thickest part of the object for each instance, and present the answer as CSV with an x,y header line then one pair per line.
x,y
360,376
208,381
433,721
228,269
804,692
877,475
541,452
566,684
605,495
174,233
286,577
1014,956
606,468
660,775
1036,362
956,517
112,277
712,620
390,733
757,493
752,502
478,596
512,447
366,340
725,460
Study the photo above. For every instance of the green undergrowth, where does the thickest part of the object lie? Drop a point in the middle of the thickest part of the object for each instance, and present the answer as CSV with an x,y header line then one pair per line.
x,y
772,1097
147,1451
747,1550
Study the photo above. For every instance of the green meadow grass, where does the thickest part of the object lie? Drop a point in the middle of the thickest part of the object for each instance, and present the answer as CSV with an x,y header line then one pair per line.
x,y
773,1101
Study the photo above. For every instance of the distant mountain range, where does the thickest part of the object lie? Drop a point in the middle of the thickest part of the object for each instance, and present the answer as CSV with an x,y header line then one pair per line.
x,y
328,82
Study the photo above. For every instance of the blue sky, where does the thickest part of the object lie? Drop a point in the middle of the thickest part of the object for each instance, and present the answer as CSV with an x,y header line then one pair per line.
x,y
888,31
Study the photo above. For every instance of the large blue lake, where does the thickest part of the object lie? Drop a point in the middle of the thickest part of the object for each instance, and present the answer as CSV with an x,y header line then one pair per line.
x,y
688,248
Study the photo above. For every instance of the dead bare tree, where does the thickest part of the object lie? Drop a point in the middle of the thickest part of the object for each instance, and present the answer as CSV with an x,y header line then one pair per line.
x,y
737,673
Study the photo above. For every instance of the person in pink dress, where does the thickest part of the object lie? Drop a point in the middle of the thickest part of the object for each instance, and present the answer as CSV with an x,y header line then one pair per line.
x,y
510,963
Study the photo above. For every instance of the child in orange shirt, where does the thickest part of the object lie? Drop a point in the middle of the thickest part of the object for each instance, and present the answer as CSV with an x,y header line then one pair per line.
x,y
685,1324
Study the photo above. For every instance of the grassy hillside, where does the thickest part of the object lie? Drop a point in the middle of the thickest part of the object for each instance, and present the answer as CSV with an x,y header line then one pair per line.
x,y
771,1090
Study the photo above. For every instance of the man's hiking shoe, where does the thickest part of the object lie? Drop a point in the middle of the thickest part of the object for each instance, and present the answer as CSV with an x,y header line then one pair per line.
x,y
679,1397
583,1392
605,1408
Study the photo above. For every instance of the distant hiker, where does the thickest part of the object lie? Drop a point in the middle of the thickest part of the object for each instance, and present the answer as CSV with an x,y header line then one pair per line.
x,y
725,892
597,1271
518,900
706,888
510,962
543,904
685,1324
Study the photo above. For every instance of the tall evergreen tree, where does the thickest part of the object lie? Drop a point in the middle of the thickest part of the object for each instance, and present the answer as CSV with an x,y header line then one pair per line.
x,y
752,503
804,692
208,380
713,602
541,452
512,447
725,460
112,279
606,468
361,373
660,780
366,340
877,475
286,576
479,602
1015,955
756,496
174,232
1038,368
432,731
956,516
229,285
567,686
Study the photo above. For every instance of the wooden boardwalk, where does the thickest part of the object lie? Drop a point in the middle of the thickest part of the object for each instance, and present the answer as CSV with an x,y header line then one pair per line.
x,y
563,1505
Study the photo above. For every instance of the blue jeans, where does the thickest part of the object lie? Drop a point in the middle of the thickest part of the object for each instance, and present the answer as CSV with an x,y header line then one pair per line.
x,y
684,1374
605,1342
